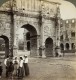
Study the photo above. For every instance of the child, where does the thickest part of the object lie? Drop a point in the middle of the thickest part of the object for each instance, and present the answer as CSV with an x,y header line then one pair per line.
x,y
1,69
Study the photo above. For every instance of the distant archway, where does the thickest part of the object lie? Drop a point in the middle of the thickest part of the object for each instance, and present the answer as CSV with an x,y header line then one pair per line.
x,y
72,46
62,46
28,36
28,45
49,47
28,40
67,46
6,45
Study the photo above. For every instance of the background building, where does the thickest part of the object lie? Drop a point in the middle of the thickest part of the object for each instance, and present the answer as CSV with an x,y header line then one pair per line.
x,y
68,36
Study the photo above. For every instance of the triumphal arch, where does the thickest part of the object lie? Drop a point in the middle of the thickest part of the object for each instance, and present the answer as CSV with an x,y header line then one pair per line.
x,y
40,17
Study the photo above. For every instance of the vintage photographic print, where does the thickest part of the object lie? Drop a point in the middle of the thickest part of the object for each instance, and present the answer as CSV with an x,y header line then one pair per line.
x,y
37,40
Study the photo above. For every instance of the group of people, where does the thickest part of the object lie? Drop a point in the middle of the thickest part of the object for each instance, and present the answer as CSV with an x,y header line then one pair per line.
x,y
16,66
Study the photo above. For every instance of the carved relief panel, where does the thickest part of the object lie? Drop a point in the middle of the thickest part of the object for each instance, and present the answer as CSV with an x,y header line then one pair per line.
x,y
48,9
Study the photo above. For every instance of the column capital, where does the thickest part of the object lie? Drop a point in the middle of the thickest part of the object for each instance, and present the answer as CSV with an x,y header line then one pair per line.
x,y
42,47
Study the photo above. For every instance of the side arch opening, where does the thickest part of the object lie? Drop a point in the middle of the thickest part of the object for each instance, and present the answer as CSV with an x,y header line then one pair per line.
x,y
5,45
49,47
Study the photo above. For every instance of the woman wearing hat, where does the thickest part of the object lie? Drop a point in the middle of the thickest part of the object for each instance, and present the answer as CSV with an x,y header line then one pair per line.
x,y
26,67
16,65
20,69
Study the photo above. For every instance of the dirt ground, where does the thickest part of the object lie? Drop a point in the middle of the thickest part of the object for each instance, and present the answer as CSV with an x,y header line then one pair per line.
x,y
52,68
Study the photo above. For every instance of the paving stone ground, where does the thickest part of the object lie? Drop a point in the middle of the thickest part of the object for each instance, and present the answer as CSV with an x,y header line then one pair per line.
x,y
61,68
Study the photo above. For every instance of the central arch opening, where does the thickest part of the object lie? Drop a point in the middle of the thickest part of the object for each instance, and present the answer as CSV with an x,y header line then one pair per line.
x,y
49,47
30,39
62,47
67,46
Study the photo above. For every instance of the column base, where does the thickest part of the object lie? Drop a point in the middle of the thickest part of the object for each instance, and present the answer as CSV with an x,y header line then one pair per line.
x,y
58,52
75,53
15,51
43,54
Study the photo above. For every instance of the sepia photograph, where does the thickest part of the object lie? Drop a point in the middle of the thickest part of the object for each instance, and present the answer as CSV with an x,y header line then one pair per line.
x,y
37,40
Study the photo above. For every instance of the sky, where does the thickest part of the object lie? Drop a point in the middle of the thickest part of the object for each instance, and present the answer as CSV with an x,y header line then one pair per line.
x,y
68,10
72,1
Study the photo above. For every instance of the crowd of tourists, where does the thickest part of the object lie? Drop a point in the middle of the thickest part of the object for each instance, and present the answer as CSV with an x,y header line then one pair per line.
x,y
15,67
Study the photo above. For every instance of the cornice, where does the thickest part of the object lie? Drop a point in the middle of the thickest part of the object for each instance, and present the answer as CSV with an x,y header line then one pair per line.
x,y
17,13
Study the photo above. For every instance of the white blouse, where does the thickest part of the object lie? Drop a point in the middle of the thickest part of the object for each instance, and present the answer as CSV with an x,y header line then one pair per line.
x,y
21,63
25,60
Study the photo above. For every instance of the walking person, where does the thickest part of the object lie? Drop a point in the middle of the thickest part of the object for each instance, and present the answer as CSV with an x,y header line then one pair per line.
x,y
20,69
1,69
26,67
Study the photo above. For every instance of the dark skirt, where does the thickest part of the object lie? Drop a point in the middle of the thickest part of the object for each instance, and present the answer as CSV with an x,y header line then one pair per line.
x,y
26,68
1,70
20,72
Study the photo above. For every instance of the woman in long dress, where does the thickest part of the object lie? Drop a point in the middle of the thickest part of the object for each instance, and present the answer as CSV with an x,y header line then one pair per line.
x,y
16,65
20,69
26,67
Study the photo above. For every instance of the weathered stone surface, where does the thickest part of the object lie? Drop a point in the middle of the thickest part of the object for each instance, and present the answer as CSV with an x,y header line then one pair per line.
x,y
37,16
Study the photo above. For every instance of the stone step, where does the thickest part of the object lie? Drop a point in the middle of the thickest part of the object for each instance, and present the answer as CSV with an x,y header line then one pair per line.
x,y
2,54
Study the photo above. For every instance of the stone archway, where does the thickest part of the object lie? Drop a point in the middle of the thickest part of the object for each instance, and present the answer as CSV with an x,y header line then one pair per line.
x,y
49,47
28,40
6,45
72,46
28,45
28,36
33,39
62,46
67,46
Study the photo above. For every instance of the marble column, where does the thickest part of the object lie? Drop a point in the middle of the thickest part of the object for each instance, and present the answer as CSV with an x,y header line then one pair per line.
x,y
70,48
58,30
41,24
15,39
64,46
42,40
25,41
38,44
